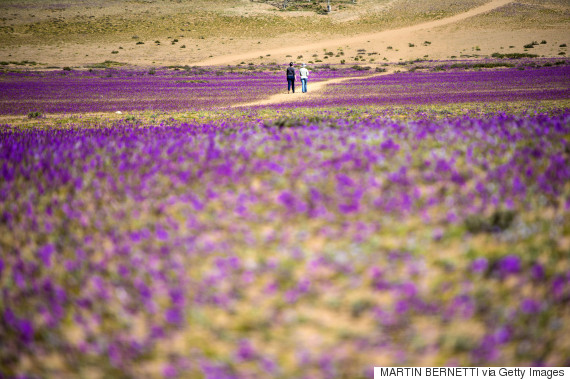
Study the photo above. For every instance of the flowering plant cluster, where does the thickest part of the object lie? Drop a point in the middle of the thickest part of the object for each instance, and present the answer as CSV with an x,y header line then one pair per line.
x,y
127,90
417,87
310,247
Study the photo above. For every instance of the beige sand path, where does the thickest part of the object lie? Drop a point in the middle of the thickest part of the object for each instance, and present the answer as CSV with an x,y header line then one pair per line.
x,y
313,90
387,35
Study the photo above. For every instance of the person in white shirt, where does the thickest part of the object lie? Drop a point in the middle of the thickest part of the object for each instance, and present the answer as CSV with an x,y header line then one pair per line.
x,y
304,74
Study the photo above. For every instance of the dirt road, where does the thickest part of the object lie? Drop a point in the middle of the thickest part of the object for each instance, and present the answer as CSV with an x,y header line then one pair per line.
x,y
313,90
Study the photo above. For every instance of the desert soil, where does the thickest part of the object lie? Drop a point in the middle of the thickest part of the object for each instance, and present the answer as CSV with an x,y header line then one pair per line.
x,y
74,33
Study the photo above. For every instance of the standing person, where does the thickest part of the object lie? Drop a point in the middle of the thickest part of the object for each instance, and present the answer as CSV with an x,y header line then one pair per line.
x,y
290,78
304,74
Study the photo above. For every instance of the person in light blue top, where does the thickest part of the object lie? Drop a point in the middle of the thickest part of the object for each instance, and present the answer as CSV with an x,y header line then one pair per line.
x,y
304,74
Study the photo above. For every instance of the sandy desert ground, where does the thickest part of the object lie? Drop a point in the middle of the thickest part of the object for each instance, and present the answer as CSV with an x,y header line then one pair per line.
x,y
75,33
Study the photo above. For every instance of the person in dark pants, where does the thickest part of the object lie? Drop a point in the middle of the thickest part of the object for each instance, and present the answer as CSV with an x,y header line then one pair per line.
x,y
290,78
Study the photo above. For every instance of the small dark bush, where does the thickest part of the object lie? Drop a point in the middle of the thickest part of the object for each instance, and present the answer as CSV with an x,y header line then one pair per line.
x,y
140,43
528,46
34,114
411,44
543,42
498,222
114,52
563,45
152,71
514,55
361,68
66,68
284,122
379,69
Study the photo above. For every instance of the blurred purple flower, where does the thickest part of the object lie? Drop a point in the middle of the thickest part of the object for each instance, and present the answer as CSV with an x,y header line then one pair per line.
x,y
479,265
537,271
245,350
169,371
402,306
511,264
45,253
530,306
503,335
174,316
161,234
558,285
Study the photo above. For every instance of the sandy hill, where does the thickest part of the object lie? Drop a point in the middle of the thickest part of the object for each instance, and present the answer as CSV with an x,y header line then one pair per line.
x,y
179,32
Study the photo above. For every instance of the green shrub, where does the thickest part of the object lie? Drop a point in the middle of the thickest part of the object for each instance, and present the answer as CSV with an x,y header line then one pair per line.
x,y
498,222
35,114
514,55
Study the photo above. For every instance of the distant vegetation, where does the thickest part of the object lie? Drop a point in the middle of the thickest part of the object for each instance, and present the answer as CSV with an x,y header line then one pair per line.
x,y
306,5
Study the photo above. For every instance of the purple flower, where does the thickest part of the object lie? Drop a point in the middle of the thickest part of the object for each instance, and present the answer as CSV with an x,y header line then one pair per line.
x,y
344,180
174,316
408,289
161,234
45,253
537,271
177,296
479,265
245,350
511,264
26,330
115,355
558,285
530,306
503,335
169,371
401,306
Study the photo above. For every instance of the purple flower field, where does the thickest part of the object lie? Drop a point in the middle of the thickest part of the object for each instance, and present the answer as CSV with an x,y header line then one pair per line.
x,y
315,247
284,241
412,88
133,90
